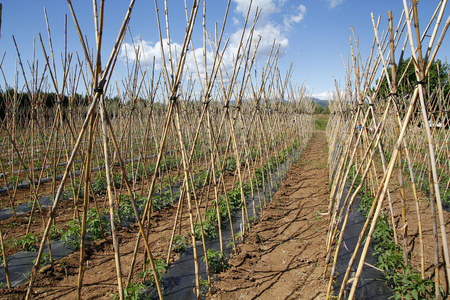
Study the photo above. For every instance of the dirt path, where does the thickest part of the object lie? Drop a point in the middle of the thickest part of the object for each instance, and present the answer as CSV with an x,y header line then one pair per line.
x,y
283,255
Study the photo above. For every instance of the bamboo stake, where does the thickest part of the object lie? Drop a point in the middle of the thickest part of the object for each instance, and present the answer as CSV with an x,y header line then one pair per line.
x,y
5,259
435,232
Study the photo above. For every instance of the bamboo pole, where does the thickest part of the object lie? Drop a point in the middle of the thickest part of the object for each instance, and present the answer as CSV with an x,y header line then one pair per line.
x,y
5,259
435,232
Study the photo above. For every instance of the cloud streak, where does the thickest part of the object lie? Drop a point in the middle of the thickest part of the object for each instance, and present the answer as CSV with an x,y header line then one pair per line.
x,y
291,19
333,3
268,7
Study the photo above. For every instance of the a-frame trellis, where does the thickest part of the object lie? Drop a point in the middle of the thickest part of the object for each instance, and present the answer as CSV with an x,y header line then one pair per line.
x,y
357,136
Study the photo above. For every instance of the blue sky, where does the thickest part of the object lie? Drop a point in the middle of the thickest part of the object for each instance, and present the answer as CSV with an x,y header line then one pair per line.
x,y
313,34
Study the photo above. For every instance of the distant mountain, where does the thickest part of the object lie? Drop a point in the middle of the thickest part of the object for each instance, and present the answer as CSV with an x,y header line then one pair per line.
x,y
322,103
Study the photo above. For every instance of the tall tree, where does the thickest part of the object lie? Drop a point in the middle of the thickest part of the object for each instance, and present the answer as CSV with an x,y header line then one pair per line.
x,y
438,77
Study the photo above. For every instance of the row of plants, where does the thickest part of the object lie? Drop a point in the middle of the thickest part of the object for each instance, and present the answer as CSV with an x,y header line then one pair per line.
x,y
135,291
96,221
405,281
99,185
169,163
210,221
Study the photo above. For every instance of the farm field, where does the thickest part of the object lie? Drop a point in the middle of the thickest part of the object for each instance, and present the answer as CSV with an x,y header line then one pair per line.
x,y
196,167
60,280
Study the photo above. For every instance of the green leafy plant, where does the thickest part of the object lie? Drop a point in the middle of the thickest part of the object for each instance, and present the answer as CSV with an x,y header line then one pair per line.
x,y
215,259
28,242
75,188
230,164
259,177
55,232
166,197
204,286
365,204
160,267
446,195
237,236
140,202
12,179
150,168
45,259
99,185
157,202
410,285
234,198
135,169
132,292
126,209
210,222
200,180
60,169
72,236
179,243
209,228
407,282
66,195
94,224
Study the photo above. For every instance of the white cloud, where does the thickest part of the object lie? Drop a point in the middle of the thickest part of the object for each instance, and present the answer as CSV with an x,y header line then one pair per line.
x,y
267,7
267,28
148,50
270,33
323,96
300,15
333,3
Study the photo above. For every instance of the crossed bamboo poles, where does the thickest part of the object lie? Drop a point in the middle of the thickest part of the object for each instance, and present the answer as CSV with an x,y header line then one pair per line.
x,y
343,153
376,142
234,129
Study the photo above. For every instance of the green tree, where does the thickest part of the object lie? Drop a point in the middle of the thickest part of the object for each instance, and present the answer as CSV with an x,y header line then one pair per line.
x,y
436,85
438,77
319,109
